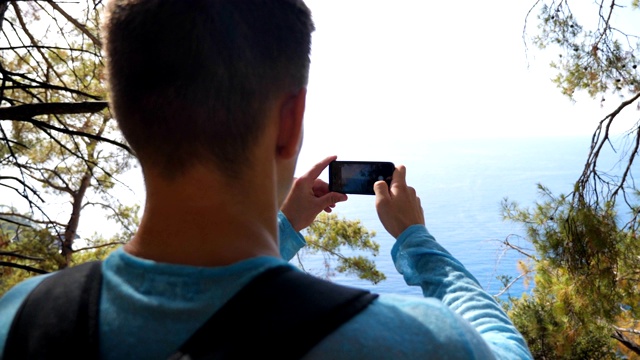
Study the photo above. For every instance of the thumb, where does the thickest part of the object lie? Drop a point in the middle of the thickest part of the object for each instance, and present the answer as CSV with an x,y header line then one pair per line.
x,y
382,191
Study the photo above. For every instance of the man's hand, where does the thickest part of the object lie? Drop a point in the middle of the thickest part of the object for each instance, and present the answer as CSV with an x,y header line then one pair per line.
x,y
309,196
398,205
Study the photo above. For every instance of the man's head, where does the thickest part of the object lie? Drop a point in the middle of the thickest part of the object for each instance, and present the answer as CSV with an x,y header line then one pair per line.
x,y
190,80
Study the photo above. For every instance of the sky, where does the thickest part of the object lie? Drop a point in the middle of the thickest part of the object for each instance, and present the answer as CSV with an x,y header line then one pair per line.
x,y
385,78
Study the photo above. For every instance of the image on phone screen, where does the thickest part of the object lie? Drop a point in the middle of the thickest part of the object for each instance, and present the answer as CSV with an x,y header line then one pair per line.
x,y
358,177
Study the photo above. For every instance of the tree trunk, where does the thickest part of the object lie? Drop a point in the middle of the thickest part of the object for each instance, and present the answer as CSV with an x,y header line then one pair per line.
x,y
4,5
72,227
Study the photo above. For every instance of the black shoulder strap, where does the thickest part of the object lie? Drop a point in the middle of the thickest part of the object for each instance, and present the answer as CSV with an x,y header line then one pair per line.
x,y
282,312
59,319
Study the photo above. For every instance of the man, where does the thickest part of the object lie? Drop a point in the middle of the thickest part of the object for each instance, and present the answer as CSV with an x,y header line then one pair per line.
x,y
211,95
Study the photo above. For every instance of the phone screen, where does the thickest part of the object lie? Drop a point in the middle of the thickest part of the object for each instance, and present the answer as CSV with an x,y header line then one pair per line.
x,y
358,177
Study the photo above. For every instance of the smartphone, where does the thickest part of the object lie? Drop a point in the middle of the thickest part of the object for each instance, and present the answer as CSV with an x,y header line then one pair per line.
x,y
358,177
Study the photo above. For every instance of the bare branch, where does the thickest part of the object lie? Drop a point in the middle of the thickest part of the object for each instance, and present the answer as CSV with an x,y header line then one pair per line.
x,y
77,24
15,222
524,29
22,182
43,125
599,139
45,85
4,5
627,170
632,331
20,256
626,342
30,219
326,250
606,25
506,288
30,110
23,267
300,262
45,179
517,248
100,246
12,154
25,28
46,47
47,182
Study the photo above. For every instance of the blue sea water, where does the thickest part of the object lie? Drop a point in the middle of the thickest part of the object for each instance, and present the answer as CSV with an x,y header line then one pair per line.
x,y
461,184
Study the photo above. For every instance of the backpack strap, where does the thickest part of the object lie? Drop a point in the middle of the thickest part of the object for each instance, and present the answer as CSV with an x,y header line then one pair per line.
x,y
59,318
282,312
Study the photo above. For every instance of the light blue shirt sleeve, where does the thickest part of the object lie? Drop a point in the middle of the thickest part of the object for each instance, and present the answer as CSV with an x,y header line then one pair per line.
x,y
423,262
291,241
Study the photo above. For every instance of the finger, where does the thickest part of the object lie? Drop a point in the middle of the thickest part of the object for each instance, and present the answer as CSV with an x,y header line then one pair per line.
x,y
399,176
320,188
381,190
317,169
329,200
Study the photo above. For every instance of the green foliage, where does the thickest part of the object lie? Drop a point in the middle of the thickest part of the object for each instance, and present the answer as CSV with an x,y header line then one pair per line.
x,y
586,299
61,156
552,333
25,246
587,282
331,236
27,249
594,56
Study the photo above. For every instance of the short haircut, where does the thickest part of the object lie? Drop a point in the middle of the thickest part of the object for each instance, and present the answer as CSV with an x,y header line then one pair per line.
x,y
190,80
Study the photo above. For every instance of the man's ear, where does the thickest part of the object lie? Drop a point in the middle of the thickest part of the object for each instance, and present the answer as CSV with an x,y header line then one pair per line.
x,y
290,129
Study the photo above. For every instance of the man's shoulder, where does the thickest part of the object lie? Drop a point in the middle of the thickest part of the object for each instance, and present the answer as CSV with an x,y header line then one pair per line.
x,y
404,327
420,314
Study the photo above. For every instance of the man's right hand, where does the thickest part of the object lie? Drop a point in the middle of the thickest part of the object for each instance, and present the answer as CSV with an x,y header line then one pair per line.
x,y
398,205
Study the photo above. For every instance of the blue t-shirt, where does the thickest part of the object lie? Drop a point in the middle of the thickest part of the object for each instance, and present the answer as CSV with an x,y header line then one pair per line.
x,y
149,309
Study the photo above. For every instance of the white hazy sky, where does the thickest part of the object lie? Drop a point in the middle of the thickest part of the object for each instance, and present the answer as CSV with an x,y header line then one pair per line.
x,y
387,76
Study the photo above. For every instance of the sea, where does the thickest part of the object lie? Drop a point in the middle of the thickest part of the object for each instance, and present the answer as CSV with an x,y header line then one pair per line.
x,y
462,184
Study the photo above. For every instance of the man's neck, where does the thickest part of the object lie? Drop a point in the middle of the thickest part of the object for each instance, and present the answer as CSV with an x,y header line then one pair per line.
x,y
204,220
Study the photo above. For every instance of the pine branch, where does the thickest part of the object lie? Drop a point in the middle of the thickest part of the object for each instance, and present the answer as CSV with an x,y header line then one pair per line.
x,y
44,125
47,47
99,246
506,243
77,24
626,342
506,288
24,183
21,112
633,331
29,219
10,76
23,267
599,139
20,256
